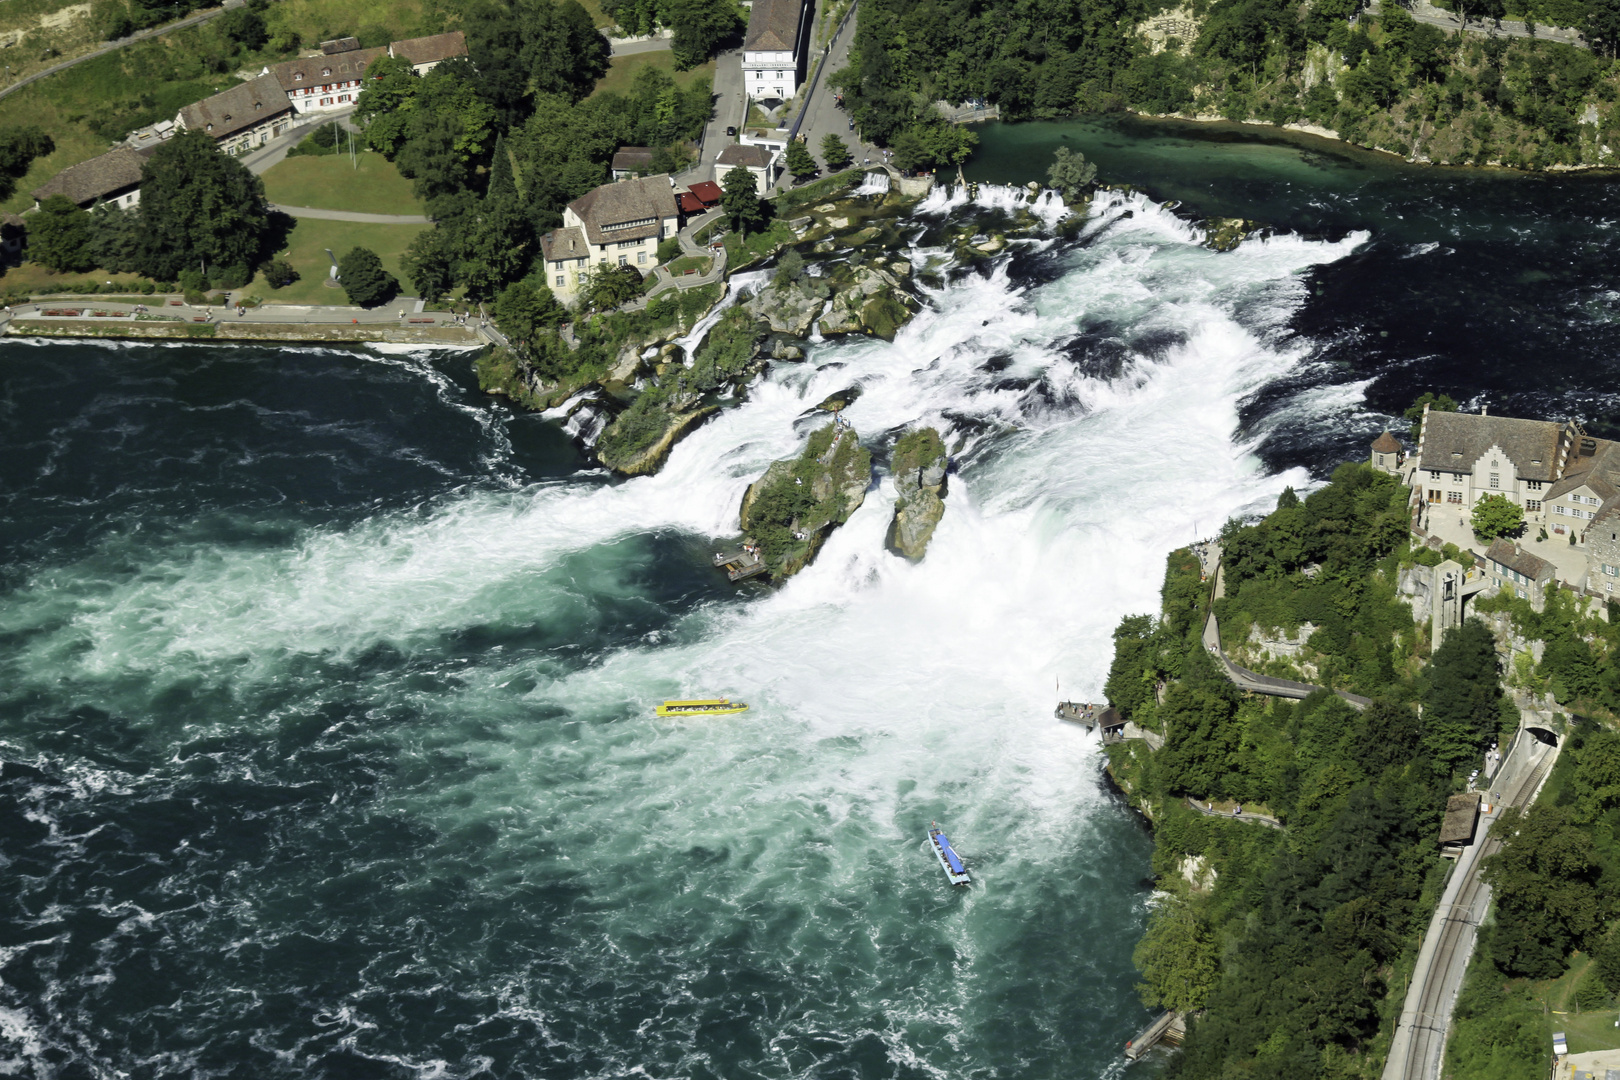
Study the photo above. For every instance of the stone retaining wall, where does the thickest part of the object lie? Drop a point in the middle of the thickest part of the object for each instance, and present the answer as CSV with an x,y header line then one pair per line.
x,y
245,331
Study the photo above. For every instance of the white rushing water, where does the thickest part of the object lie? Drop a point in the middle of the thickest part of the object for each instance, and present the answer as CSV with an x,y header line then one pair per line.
x,y
885,694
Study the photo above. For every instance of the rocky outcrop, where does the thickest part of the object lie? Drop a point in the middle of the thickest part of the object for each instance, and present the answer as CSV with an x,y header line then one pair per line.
x,y
870,299
789,511
919,479
651,459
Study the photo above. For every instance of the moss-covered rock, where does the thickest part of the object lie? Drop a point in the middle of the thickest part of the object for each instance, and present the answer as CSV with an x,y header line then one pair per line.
x,y
790,510
919,466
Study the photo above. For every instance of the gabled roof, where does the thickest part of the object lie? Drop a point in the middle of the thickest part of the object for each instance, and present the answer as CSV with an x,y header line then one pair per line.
x,y
1461,811
312,69
773,26
1454,442
114,172
1507,553
646,199
1599,470
340,45
564,244
430,50
632,159
1386,444
708,191
237,109
754,157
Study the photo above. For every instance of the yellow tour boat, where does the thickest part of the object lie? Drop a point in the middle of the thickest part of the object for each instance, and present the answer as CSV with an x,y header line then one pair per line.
x,y
708,707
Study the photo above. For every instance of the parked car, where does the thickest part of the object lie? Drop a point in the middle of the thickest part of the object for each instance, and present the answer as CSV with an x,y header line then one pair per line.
x,y
731,132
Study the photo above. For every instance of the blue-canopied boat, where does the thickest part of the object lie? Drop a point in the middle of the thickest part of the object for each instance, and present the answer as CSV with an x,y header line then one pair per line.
x,y
949,860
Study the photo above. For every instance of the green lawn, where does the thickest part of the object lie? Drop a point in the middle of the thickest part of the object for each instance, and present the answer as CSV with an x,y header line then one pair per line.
x,y
622,71
306,251
370,184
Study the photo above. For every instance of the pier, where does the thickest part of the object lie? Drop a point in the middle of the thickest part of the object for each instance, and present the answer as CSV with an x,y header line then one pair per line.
x,y
740,565
1170,1027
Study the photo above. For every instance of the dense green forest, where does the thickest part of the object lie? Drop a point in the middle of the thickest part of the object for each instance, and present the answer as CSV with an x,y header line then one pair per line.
x,y
1298,949
1388,81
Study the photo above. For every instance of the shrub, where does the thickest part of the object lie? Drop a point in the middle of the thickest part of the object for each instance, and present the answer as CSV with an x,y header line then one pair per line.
x,y
279,273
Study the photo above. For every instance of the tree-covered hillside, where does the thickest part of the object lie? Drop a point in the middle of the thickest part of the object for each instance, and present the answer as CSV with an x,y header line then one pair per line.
x,y
1387,81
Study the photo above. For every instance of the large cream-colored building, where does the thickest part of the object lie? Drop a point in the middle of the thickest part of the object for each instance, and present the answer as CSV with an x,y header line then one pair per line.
x,y
243,117
618,224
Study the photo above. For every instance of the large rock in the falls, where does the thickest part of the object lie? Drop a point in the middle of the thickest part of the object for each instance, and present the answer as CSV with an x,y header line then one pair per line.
x,y
919,466
790,510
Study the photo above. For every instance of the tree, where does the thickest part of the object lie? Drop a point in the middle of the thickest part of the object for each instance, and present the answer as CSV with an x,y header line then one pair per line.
x,y
1461,707
522,309
59,235
700,26
245,27
1497,515
835,152
364,279
741,200
1435,402
1602,26
199,207
563,51
609,286
1545,884
1177,958
799,161
19,146
430,263
279,273
1070,173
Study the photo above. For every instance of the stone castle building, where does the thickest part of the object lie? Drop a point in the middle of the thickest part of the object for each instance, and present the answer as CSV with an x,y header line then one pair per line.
x,y
1566,481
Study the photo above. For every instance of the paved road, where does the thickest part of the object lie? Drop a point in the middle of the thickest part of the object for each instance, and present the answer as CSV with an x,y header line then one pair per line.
x,y
1447,21
1420,1035
352,215
269,313
631,48
140,35
823,117
274,152
730,109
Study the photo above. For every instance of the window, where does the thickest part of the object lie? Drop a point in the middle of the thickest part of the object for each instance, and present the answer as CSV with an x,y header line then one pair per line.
x,y
1612,571
1454,497
1496,480
1434,474
1434,495
326,101
641,257
298,76
624,260
1532,505
345,97
326,71
1520,593
1558,510
1533,485
559,281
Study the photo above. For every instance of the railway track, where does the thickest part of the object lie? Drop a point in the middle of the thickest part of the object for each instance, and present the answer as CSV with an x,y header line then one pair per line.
x,y
1427,1040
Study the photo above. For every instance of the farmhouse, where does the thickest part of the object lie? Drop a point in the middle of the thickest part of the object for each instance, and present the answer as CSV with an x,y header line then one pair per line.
x,y
113,178
242,117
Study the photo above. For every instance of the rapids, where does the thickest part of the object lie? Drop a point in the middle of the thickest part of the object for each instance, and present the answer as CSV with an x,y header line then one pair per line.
x,y
326,694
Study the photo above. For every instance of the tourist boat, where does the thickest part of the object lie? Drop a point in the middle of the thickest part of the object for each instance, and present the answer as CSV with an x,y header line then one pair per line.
x,y
949,860
705,707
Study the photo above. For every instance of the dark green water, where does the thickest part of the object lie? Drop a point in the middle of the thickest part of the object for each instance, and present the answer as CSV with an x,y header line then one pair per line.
x,y
326,682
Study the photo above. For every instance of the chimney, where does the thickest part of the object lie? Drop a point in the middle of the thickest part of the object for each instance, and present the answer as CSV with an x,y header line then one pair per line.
x,y
1484,410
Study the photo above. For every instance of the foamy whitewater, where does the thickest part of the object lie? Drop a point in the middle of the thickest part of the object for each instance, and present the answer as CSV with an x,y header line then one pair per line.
x,y
485,856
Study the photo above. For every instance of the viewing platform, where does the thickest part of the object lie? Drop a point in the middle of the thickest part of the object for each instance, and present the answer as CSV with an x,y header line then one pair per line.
x,y
1170,1027
740,565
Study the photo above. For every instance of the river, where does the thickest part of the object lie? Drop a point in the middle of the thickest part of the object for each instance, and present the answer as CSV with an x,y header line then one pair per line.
x,y
326,680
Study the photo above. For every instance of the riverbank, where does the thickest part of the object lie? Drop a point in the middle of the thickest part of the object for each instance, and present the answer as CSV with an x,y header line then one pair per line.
x,y
226,330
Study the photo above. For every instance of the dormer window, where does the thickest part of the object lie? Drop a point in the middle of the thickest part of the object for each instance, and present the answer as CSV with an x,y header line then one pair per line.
x,y
210,127
298,76
326,71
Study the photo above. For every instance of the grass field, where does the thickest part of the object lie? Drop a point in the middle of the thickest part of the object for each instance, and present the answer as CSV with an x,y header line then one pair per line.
x,y
34,278
306,250
622,71
332,183
374,22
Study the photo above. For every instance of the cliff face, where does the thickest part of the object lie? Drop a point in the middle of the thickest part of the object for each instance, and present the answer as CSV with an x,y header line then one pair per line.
x,y
790,510
919,478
